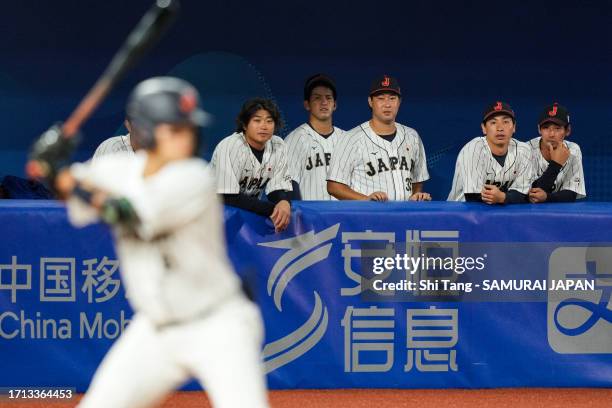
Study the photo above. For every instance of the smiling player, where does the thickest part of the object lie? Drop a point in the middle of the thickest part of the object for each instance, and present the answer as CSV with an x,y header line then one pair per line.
x,y
253,160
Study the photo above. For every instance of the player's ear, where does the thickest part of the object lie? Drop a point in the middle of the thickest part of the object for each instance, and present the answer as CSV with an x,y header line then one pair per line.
x,y
307,105
539,130
335,106
484,129
568,131
370,101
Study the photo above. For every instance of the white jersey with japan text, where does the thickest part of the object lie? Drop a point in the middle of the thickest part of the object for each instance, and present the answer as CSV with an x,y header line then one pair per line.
x,y
571,175
368,163
309,158
175,268
238,171
476,167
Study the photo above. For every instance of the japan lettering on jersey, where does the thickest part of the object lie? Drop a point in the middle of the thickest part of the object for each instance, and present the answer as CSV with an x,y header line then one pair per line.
x,y
309,158
368,163
571,175
476,167
237,170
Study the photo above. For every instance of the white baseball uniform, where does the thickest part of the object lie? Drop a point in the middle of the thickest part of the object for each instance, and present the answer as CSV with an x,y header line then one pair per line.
x,y
368,163
114,145
309,157
237,170
571,175
191,318
476,167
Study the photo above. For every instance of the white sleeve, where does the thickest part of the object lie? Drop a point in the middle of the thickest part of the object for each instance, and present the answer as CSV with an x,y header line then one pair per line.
x,y
281,179
456,193
113,145
175,198
103,149
574,175
420,173
224,162
524,178
93,173
294,154
343,160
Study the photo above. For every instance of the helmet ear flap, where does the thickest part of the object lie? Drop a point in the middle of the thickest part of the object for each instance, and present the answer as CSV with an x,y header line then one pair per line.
x,y
143,134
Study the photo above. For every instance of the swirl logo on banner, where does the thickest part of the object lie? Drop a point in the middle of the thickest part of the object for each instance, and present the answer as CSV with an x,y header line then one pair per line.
x,y
302,251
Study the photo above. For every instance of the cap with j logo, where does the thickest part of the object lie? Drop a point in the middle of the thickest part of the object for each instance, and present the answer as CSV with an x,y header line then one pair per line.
x,y
556,114
384,84
498,108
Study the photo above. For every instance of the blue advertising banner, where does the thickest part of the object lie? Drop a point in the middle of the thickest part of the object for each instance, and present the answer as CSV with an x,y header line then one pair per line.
x,y
531,308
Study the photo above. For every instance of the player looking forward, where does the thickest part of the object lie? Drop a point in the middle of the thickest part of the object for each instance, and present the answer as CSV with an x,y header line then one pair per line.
x,y
380,159
494,168
557,163
253,160
310,145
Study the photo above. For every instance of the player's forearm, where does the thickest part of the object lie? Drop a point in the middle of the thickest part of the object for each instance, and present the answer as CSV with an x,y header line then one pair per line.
x,y
279,195
245,202
296,192
515,197
563,196
547,180
343,192
417,187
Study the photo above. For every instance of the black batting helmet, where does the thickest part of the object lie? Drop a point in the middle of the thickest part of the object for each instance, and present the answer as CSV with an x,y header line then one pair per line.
x,y
162,100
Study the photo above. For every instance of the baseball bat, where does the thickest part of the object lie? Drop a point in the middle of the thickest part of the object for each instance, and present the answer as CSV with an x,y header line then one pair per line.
x,y
58,141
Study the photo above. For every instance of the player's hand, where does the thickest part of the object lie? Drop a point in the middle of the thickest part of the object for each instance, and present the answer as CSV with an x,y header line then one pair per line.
x,y
420,196
492,194
537,195
378,196
64,183
281,215
560,154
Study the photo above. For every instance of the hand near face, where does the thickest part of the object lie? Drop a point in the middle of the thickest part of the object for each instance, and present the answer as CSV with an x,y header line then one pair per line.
x,y
559,154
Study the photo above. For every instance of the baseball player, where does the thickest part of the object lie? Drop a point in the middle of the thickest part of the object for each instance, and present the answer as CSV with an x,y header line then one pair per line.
x,y
494,168
253,160
191,318
117,144
380,159
310,145
557,163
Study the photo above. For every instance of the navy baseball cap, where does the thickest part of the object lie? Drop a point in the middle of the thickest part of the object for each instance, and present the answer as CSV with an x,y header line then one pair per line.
x,y
498,108
556,114
385,83
318,80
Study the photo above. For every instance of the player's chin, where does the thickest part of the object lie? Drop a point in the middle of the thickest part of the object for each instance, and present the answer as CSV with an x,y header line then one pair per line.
x,y
263,137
